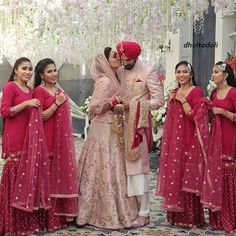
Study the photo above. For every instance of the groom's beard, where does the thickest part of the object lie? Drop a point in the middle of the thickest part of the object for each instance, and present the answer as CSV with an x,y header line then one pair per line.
x,y
129,66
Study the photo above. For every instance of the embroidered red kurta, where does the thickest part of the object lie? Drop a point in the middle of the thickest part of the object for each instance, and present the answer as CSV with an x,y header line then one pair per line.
x,y
179,199
223,216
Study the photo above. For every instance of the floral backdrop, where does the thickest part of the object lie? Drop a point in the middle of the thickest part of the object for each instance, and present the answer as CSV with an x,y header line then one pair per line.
x,y
74,30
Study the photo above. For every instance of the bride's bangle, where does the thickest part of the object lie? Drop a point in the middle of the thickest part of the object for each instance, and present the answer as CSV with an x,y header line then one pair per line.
x,y
114,102
184,102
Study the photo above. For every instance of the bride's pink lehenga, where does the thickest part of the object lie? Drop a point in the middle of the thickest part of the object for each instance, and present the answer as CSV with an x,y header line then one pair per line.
x,y
103,200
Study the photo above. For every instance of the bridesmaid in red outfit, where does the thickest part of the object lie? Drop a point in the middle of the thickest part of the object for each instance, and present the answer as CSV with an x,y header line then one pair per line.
x,y
175,182
16,107
58,131
219,188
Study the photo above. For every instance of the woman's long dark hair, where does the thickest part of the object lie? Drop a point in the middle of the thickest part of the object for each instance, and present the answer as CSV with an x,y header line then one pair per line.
x,y
107,52
191,72
39,70
16,65
228,69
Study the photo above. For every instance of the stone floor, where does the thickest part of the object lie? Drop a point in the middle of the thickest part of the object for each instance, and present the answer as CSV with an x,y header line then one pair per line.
x,y
158,226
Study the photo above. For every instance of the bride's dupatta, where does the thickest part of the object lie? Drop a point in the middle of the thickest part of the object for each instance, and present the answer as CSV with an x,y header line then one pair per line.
x,y
107,86
63,177
32,188
106,92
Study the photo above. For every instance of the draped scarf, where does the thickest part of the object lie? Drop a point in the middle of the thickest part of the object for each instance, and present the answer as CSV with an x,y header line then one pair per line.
x,y
63,177
212,185
101,68
172,159
181,168
32,186
139,124
196,157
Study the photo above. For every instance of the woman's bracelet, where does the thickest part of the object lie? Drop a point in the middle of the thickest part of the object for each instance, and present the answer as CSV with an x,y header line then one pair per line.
x,y
52,109
114,102
234,118
184,102
13,110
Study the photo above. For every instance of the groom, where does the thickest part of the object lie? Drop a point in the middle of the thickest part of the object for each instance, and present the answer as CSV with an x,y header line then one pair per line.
x,y
142,91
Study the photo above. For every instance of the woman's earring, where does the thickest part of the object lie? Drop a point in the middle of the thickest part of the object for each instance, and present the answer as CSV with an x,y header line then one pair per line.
x,y
42,82
225,83
191,81
15,77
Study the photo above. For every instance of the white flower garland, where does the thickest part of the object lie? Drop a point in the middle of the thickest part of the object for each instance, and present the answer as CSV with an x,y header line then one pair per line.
x,y
159,116
84,107
210,87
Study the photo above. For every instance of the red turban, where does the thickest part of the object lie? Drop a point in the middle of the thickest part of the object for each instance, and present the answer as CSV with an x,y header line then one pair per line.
x,y
130,49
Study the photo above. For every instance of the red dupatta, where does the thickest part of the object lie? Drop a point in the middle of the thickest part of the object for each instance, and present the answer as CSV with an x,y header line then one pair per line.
x,y
197,155
172,159
182,168
64,182
212,185
32,188
139,125
140,130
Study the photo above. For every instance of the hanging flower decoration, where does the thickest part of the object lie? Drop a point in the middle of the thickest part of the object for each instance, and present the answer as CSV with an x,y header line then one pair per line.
x,y
75,30
226,6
